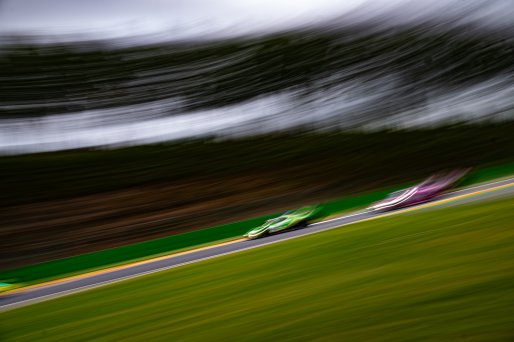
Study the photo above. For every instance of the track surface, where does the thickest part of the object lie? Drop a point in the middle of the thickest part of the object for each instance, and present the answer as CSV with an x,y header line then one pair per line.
x,y
88,281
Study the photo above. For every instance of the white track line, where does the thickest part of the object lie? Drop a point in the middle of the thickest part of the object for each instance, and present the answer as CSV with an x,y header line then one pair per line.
x,y
7,307
510,180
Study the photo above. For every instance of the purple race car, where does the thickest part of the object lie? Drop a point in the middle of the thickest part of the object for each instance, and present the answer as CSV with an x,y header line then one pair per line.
x,y
426,191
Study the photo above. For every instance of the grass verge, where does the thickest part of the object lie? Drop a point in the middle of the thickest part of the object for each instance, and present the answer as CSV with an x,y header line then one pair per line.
x,y
56,205
440,275
89,262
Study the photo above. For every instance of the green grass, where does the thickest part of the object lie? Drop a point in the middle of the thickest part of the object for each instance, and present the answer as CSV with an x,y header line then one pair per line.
x,y
439,275
65,267
258,173
60,268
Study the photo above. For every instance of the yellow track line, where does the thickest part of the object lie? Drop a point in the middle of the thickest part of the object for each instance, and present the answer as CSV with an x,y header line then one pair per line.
x,y
432,204
443,201
115,268
120,267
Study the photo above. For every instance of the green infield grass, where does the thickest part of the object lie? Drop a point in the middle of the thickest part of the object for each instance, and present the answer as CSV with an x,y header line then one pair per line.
x,y
65,267
438,275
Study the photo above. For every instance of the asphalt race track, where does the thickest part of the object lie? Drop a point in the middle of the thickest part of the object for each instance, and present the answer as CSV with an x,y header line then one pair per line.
x,y
57,289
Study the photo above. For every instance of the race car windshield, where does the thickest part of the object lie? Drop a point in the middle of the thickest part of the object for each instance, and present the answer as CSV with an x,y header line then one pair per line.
x,y
397,193
430,182
279,220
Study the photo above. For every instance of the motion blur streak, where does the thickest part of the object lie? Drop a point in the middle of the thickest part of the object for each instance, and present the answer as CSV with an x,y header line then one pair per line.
x,y
364,65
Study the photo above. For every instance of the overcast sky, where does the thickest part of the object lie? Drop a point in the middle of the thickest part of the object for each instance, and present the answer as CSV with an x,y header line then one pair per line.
x,y
179,19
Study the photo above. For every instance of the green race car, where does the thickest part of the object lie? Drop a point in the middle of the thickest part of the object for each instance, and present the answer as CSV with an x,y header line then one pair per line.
x,y
290,219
